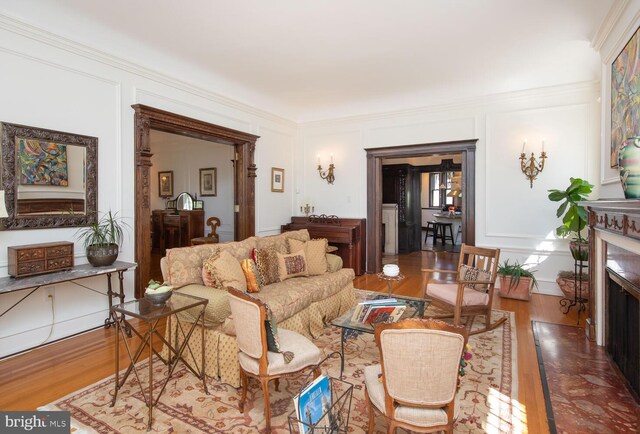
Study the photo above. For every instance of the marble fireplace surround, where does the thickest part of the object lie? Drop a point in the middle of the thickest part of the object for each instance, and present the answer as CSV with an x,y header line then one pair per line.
x,y
615,222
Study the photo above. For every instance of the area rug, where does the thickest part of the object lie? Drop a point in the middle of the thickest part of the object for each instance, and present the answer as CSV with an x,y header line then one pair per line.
x,y
582,391
488,394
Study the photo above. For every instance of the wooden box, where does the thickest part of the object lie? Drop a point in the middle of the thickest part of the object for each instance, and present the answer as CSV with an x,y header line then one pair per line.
x,y
32,259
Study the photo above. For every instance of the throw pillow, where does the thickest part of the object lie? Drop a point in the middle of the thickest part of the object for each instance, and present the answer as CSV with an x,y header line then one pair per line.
x,y
315,253
267,264
292,265
273,343
471,273
223,270
334,263
252,276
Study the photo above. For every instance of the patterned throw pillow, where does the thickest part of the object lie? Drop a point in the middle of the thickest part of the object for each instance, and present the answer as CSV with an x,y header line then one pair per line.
x,y
267,264
472,273
252,276
315,253
223,270
292,265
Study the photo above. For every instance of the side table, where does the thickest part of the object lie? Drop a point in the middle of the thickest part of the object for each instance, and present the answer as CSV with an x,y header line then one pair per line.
x,y
390,280
151,314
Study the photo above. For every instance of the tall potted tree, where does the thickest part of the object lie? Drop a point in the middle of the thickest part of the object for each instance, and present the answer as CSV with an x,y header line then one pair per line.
x,y
101,240
574,216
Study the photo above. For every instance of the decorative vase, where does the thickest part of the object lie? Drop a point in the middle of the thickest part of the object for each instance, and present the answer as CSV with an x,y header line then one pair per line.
x,y
102,256
629,165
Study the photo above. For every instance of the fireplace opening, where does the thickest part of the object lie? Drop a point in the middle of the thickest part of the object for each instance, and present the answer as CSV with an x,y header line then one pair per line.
x,y
623,313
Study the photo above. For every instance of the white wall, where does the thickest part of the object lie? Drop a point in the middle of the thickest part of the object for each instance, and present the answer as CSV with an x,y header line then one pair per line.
x,y
619,26
509,214
54,83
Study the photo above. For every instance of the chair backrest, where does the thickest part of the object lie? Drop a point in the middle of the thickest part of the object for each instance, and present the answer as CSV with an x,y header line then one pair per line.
x,y
213,223
483,258
249,316
420,361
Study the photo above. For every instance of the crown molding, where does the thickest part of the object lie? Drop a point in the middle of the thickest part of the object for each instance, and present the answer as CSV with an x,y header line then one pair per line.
x,y
608,23
468,103
21,28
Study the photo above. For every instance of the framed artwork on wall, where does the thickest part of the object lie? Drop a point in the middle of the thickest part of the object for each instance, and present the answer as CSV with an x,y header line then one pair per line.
x,y
625,108
208,181
165,183
277,180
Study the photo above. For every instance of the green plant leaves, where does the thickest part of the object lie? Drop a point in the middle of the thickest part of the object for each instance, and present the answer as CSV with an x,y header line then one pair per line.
x,y
574,216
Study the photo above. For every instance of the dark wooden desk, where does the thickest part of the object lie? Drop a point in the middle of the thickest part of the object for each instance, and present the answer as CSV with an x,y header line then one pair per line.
x,y
349,235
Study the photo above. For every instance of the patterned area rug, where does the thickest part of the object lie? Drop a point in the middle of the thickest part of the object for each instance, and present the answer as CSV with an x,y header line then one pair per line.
x,y
488,394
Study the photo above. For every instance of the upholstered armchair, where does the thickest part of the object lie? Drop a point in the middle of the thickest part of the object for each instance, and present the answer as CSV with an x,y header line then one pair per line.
x,y
250,316
414,386
471,294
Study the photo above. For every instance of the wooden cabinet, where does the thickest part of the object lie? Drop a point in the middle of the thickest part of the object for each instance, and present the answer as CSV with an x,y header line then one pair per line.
x,y
172,228
349,235
401,185
32,259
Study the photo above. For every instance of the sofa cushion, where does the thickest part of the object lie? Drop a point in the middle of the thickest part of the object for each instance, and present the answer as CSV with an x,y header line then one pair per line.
x,y
315,252
279,242
292,265
267,263
217,309
334,263
252,276
224,270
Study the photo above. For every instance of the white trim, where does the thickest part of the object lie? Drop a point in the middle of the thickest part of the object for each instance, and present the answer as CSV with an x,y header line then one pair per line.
x,y
623,38
608,23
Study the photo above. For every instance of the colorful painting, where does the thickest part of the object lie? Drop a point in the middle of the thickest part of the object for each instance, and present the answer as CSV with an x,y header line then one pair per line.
x,y
42,163
625,96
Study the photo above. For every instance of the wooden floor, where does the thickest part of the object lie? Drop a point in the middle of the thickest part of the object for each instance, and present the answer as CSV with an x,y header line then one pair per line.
x,y
43,375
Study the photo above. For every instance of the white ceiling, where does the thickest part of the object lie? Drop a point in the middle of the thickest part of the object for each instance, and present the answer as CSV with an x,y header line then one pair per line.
x,y
313,59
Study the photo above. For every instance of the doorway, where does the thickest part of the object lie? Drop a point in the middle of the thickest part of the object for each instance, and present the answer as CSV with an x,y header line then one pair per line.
x,y
375,156
148,118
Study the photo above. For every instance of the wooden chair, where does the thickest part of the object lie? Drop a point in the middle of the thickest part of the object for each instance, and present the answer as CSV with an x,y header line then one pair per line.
x,y
414,386
256,361
213,223
460,296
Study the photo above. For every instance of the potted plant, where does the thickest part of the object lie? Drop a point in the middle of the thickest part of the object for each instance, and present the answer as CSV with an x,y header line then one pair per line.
x,y
567,281
516,281
101,240
574,216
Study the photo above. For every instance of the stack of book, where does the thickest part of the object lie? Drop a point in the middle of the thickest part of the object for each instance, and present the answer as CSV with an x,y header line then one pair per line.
x,y
376,311
313,405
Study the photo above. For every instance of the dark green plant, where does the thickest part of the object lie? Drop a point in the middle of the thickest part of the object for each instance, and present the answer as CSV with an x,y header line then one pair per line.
x,y
574,216
108,230
516,271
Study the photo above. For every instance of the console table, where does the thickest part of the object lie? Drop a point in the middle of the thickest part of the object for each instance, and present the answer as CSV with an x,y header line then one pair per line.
x,y
12,284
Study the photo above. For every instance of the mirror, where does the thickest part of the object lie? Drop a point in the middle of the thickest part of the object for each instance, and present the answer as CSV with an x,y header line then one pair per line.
x,y
184,202
49,177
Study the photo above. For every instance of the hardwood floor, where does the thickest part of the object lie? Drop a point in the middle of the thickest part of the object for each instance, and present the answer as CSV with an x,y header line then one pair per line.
x,y
43,375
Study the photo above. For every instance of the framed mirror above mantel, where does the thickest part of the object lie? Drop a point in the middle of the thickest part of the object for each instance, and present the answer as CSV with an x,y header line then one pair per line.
x,y
50,178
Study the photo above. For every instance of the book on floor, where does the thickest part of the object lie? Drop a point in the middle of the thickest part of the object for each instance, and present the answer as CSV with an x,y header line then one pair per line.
x,y
313,403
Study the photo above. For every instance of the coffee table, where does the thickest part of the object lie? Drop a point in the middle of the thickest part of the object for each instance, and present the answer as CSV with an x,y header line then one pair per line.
x,y
150,315
415,308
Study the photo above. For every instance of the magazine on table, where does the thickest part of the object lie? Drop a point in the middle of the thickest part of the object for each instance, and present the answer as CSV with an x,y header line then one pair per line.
x,y
377,311
314,403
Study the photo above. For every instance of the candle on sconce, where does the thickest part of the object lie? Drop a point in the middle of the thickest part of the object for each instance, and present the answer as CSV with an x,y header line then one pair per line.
x,y
332,158
523,145
542,145
318,159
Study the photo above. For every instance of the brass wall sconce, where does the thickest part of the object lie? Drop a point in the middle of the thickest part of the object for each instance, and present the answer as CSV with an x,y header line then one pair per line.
x,y
532,167
307,209
328,174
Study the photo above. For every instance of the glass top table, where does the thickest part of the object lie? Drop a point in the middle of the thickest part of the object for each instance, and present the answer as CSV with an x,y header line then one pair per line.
x,y
415,309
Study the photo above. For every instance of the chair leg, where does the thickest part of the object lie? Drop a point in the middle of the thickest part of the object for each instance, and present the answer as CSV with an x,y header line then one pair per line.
x,y
243,385
267,404
317,372
276,382
372,415
391,427
457,313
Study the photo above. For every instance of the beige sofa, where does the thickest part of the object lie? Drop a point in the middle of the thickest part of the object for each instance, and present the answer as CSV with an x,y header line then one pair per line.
x,y
301,304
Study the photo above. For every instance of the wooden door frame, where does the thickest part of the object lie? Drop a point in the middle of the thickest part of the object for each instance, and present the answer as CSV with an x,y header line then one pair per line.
x,y
467,148
148,118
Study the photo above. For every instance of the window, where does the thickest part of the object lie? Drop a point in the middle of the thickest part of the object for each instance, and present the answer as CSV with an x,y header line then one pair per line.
x,y
440,187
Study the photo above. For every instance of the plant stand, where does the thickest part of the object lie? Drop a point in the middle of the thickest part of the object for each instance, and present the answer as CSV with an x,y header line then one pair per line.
x,y
578,300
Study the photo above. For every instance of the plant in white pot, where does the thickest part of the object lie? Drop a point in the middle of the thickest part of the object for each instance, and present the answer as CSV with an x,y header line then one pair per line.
x,y
516,281
574,216
102,239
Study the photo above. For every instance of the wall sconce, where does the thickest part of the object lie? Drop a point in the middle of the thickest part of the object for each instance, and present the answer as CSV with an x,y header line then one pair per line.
x,y
307,209
328,174
532,167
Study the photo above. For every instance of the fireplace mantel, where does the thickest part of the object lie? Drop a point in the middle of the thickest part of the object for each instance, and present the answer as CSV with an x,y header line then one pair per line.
x,y
614,221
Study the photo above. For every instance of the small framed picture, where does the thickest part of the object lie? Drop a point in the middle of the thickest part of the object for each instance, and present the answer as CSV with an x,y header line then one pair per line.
x,y
208,181
165,183
277,180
